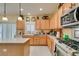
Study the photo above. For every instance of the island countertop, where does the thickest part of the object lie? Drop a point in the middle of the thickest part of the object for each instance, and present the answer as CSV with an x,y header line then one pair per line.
x,y
16,47
16,40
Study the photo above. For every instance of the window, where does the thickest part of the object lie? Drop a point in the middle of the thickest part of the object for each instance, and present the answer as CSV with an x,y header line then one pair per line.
x,y
0,31
7,31
30,27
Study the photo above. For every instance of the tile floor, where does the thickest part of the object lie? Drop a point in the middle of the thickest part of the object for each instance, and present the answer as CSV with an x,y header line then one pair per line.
x,y
39,51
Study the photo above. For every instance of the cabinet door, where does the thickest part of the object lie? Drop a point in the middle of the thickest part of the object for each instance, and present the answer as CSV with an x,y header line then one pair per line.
x,y
45,24
43,40
55,20
20,24
31,41
52,23
49,42
59,17
36,40
38,24
42,24
66,7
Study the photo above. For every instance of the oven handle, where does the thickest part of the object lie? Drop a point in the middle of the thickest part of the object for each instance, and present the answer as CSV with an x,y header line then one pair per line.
x,y
74,53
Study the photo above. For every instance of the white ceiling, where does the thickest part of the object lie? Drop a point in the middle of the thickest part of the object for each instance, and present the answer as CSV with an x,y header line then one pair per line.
x,y
33,8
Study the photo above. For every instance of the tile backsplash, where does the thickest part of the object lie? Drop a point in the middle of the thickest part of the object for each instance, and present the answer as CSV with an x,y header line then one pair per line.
x,y
70,32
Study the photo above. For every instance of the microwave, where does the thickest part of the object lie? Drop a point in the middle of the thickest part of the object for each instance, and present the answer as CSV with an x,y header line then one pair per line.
x,y
70,17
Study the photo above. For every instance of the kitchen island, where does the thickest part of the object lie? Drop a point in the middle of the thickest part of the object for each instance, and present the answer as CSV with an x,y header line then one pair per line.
x,y
16,47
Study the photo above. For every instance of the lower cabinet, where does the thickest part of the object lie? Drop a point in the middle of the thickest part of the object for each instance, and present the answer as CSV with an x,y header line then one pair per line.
x,y
38,41
43,40
31,41
51,45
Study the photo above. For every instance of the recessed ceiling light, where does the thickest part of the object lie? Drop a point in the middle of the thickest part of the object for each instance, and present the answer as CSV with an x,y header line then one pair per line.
x,y
28,14
41,9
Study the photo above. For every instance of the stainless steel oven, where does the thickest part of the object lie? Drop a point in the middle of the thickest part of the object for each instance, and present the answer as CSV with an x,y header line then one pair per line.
x,y
60,51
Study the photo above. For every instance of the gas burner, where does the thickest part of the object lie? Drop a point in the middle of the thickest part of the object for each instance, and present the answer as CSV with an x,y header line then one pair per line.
x,y
71,43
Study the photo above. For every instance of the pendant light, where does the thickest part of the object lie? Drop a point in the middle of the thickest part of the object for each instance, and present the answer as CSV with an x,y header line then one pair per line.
x,y
20,18
4,18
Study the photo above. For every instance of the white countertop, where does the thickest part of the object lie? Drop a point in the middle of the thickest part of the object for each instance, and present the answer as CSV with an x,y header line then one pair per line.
x,y
20,40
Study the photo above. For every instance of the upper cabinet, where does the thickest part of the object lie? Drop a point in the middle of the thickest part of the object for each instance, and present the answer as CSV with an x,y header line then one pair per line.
x,y
20,27
45,24
20,24
55,22
66,7
59,17
38,24
42,24
52,23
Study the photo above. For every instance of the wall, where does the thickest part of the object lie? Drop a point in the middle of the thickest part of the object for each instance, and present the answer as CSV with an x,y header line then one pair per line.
x,y
70,32
77,39
11,18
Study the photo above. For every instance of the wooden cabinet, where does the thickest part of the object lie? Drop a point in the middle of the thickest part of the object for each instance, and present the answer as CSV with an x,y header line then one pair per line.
x,y
38,41
55,22
20,24
31,40
38,24
45,24
52,23
43,40
59,18
20,27
49,42
42,24
66,7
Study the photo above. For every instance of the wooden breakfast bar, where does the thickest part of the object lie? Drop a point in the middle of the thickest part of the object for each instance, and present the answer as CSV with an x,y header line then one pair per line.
x,y
16,47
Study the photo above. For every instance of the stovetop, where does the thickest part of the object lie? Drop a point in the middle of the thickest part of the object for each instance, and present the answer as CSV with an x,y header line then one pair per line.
x,y
71,43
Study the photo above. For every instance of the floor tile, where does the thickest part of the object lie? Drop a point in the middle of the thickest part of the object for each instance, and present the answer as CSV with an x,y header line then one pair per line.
x,y
39,51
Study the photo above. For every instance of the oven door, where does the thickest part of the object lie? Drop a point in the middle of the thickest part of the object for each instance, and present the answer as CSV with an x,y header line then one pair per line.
x,y
61,52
